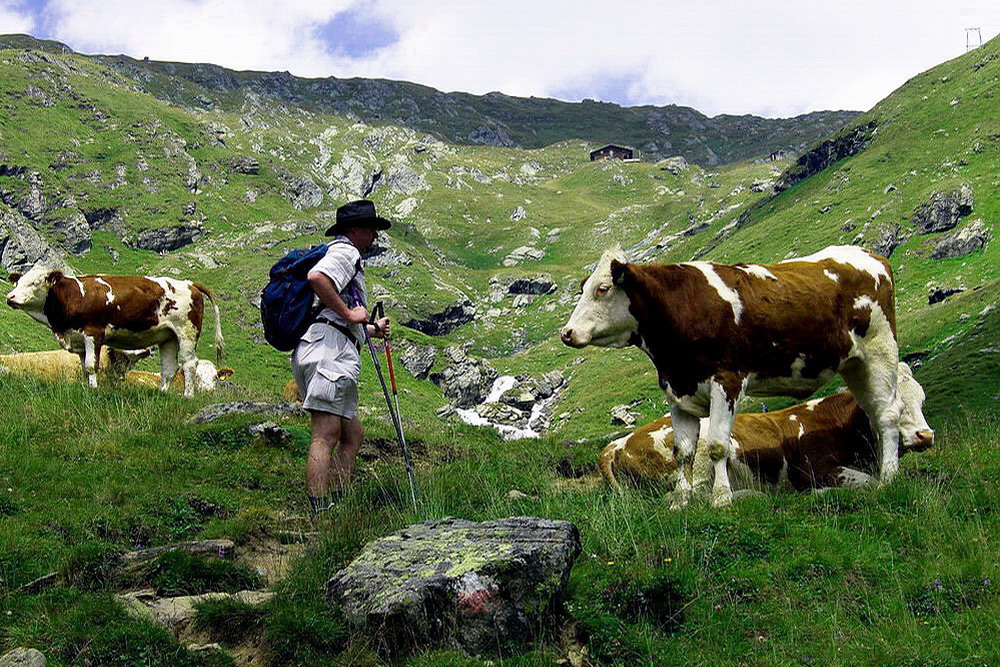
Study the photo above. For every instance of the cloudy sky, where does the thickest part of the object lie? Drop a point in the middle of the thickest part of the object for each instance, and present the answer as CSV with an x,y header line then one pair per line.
x,y
772,58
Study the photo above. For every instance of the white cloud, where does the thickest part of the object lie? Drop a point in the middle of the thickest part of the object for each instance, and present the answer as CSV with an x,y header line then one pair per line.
x,y
768,57
14,18
238,34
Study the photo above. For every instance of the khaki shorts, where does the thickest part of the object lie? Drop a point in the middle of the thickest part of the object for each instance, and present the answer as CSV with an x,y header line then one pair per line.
x,y
326,366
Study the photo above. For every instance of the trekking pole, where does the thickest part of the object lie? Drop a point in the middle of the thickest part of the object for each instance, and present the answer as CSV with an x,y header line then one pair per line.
x,y
392,413
388,358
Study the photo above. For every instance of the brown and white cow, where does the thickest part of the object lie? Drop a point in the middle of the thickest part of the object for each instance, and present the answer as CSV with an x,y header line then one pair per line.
x,y
717,332
826,442
124,312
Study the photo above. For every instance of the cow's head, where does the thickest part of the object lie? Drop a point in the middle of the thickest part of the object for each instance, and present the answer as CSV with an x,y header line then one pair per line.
x,y
914,433
31,288
602,316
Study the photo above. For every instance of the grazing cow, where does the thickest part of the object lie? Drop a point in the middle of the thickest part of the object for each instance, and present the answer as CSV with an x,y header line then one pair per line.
x,y
125,312
826,442
206,377
716,333
65,366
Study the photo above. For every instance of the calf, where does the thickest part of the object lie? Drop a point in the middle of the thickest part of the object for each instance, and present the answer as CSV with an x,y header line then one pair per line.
x,y
206,377
125,312
823,443
716,333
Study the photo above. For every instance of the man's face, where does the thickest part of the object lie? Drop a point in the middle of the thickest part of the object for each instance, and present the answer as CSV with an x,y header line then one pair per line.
x,y
362,237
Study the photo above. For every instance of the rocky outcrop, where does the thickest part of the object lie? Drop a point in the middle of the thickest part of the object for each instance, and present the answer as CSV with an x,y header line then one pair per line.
x,y
466,381
847,143
939,294
675,165
483,588
21,246
943,211
210,413
166,239
245,164
970,238
301,192
521,254
452,317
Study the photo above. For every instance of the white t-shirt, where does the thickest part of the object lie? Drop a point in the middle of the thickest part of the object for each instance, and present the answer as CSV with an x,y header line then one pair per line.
x,y
341,264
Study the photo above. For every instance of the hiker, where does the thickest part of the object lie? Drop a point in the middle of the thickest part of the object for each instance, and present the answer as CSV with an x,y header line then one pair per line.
x,y
326,362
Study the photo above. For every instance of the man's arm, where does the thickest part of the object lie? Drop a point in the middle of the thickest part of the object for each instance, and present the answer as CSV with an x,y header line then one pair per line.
x,y
327,293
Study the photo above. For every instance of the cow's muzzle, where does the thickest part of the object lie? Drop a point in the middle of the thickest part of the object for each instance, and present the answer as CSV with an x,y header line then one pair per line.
x,y
922,441
10,301
567,338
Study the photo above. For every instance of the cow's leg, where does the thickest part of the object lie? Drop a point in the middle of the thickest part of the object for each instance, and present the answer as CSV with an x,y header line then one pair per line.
x,y
851,478
725,396
685,440
188,360
90,358
873,383
168,363
702,471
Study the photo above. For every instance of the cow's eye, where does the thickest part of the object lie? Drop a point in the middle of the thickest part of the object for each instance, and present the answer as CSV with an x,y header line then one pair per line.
x,y
602,290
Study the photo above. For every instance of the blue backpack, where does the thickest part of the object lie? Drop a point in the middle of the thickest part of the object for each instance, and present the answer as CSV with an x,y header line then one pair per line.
x,y
286,304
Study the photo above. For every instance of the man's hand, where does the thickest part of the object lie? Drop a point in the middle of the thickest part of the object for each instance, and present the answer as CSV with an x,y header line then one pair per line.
x,y
357,315
381,330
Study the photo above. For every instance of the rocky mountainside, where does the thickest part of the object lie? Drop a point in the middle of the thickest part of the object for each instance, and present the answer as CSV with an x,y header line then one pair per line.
x,y
494,119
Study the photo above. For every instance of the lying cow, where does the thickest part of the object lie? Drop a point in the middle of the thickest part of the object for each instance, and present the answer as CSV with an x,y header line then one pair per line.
x,y
125,312
826,442
206,377
65,366
716,333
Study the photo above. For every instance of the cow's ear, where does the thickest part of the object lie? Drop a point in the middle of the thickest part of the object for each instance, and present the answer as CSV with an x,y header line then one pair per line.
x,y
14,277
53,278
619,270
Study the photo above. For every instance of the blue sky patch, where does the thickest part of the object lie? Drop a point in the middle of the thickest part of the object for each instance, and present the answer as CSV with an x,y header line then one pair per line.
x,y
353,34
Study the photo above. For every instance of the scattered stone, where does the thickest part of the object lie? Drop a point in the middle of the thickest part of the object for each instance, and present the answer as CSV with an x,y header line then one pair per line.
x,y
40,584
477,587
518,214
514,494
674,165
23,657
540,284
218,410
503,414
970,238
245,164
219,548
269,434
523,253
621,415
943,211
519,397
176,613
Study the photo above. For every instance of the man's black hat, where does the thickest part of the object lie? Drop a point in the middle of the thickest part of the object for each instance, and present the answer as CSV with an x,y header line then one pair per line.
x,y
360,213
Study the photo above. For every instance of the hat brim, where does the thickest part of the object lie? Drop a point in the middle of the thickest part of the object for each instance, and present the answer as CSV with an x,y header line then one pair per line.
x,y
375,222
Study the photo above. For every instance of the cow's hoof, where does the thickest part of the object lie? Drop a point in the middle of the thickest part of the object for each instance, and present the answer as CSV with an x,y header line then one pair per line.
x,y
680,501
701,491
722,500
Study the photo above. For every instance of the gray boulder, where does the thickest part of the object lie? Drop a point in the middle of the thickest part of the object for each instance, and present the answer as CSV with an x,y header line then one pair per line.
x,y
943,211
418,359
477,587
964,241
549,383
939,294
23,657
674,165
504,414
73,231
245,164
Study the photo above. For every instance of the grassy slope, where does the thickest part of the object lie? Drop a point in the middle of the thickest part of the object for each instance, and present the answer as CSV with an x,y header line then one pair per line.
x,y
898,575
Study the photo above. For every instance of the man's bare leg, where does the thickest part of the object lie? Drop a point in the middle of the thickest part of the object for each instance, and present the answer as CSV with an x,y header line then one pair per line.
x,y
326,431
343,462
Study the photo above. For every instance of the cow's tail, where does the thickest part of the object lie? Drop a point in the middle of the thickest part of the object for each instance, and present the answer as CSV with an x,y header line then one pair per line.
x,y
218,322
606,463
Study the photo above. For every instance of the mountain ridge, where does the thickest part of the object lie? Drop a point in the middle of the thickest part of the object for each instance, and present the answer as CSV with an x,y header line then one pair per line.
x,y
493,119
